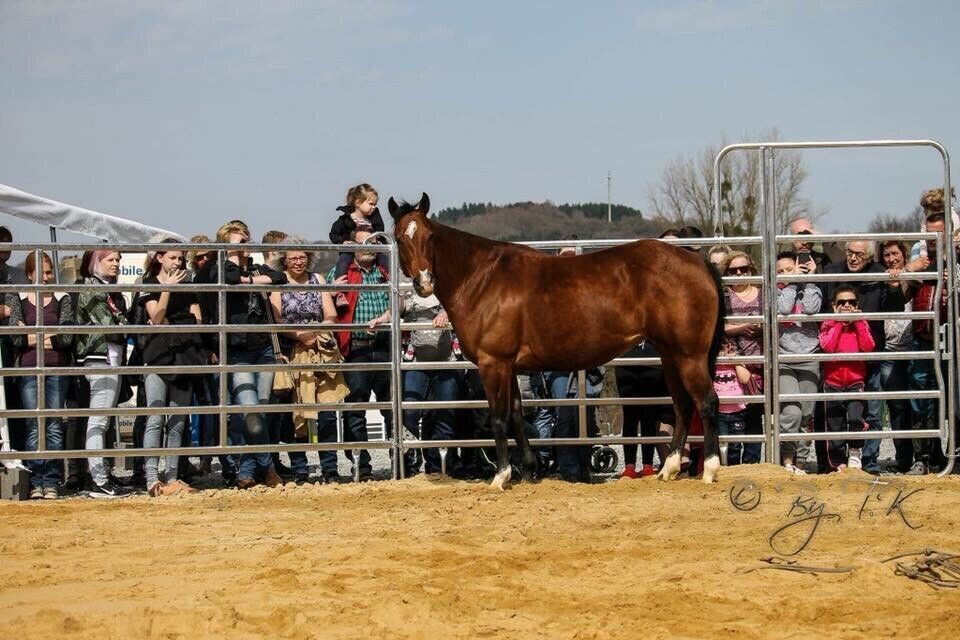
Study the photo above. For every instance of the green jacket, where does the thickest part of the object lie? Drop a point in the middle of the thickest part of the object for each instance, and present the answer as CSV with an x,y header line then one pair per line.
x,y
98,308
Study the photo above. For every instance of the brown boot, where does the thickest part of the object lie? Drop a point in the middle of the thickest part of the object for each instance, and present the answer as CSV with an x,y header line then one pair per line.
x,y
271,478
246,483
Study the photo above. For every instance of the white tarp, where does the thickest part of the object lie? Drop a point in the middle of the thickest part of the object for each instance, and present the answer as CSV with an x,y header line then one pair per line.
x,y
51,213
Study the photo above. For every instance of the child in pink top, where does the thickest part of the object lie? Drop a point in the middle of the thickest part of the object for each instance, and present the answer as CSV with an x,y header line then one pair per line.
x,y
728,380
837,336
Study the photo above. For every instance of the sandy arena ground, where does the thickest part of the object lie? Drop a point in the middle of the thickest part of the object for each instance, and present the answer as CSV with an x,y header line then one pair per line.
x,y
430,558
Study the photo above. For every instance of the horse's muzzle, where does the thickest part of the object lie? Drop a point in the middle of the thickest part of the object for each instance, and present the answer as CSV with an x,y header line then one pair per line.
x,y
423,283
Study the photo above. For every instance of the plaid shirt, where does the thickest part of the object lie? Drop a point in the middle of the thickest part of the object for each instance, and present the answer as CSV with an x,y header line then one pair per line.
x,y
370,304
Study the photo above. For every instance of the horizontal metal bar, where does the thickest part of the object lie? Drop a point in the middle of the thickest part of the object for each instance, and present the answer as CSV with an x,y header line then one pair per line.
x,y
127,452
860,435
855,357
873,315
209,369
144,247
877,276
912,236
149,329
616,362
604,243
568,402
863,395
187,287
199,410
834,144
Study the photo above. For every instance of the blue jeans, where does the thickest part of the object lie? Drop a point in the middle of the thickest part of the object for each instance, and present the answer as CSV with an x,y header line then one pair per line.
x,y
542,419
573,462
251,389
361,384
438,424
43,473
871,448
922,377
734,424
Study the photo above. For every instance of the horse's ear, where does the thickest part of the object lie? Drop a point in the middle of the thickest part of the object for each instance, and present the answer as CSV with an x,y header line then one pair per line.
x,y
392,207
424,205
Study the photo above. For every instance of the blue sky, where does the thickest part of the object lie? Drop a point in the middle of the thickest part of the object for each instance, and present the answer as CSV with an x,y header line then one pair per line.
x,y
186,114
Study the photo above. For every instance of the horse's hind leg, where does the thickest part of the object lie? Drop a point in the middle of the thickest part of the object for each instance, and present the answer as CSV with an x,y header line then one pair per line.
x,y
696,378
520,433
683,407
496,378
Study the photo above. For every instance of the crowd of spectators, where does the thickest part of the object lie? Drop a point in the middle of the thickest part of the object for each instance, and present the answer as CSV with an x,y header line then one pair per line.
x,y
308,342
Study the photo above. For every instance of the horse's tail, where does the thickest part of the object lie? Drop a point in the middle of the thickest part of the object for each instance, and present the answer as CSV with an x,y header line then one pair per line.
x,y
718,331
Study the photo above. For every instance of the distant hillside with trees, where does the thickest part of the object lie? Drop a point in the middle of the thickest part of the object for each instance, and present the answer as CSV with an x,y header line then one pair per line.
x,y
547,221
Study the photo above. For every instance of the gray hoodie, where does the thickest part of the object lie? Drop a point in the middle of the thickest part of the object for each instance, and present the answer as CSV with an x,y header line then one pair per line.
x,y
802,337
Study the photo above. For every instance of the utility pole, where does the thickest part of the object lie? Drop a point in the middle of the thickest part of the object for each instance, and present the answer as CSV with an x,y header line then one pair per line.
x,y
609,205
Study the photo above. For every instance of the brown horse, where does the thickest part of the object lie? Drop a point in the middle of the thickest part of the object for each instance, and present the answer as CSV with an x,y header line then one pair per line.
x,y
517,309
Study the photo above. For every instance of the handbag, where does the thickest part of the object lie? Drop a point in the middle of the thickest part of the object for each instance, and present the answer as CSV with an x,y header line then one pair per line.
x,y
283,380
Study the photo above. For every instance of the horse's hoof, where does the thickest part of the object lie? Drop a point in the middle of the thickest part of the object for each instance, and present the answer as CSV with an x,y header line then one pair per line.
x,y
670,468
711,466
501,480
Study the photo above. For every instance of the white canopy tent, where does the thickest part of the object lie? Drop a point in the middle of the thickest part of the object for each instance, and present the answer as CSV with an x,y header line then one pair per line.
x,y
59,215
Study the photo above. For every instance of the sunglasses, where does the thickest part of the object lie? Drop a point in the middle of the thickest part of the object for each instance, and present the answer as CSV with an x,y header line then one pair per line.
x,y
736,271
846,302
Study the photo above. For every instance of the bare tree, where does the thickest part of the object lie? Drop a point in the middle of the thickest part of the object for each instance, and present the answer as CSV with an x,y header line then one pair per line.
x,y
684,193
892,223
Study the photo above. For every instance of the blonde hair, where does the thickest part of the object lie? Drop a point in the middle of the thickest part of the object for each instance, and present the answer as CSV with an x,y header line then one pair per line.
x,y
96,257
360,193
234,226
274,237
718,248
192,253
932,201
733,255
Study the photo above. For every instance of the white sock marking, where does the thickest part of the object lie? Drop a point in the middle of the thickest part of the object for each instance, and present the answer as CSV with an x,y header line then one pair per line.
x,y
501,479
671,467
710,468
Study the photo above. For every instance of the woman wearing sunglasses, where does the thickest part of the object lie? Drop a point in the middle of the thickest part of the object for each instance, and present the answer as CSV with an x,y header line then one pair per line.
x,y
745,299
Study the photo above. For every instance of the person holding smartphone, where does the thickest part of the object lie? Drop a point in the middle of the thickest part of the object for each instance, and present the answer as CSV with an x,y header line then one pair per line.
x,y
165,349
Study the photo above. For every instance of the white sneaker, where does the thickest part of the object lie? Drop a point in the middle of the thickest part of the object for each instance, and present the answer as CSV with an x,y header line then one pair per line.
x,y
853,459
790,468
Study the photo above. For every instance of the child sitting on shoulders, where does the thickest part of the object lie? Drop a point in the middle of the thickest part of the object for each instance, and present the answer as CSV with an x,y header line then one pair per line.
x,y
359,212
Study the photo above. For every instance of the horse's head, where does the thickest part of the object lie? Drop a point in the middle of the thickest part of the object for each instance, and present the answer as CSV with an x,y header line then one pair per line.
x,y
413,235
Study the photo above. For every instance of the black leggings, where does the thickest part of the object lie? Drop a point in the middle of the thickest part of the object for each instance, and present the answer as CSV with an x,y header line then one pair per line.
x,y
642,382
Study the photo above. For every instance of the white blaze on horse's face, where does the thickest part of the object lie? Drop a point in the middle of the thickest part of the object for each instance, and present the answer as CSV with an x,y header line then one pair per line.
x,y
423,283
411,229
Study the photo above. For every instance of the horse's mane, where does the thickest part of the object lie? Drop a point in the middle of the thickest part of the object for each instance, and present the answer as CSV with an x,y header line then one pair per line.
x,y
403,208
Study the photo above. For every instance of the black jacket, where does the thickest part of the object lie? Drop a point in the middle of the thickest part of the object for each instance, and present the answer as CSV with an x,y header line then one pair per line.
x,y
243,307
342,226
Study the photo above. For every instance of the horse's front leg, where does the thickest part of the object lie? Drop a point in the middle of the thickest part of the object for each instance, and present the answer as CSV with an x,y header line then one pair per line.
x,y
683,409
496,382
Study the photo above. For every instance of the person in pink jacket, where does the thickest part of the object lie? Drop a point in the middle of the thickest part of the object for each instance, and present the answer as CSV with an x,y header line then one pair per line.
x,y
838,336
